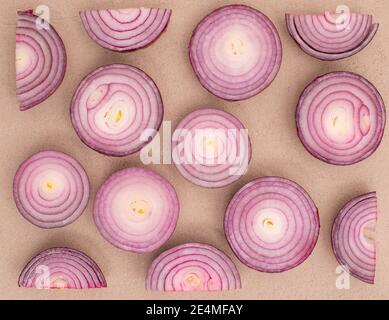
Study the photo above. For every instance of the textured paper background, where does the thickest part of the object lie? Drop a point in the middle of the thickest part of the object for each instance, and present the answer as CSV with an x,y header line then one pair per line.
x,y
268,116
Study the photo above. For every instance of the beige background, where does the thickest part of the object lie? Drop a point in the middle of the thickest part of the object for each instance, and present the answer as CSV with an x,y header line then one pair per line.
x,y
276,151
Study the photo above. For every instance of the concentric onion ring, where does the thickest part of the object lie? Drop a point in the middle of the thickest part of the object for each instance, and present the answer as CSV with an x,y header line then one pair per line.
x,y
113,106
341,118
125,29
235,52
51,189
40,61
193,267
211,148
272,224
329,37
136,210
353,237
62,268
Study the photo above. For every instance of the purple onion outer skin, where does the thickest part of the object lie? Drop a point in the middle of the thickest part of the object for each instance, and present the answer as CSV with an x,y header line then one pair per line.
x,y
106,43
357,256
62,268
264,189
27,202
194,258
100,141
111,222
380,110
325,56
194,176
248,89
40,91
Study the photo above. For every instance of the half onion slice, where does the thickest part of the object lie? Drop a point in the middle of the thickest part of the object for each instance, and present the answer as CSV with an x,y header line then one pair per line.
x,y
40,60
353,234
136,210
193,267
62,268
211,148
341,118
331,37
113,107
235,52
51,189
272,224
125,29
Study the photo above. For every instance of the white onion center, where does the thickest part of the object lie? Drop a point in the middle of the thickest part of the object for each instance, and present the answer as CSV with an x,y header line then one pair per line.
x,y
237,50
114,116
269,225
209,143
193,279
133,206
58,282
25,57
341,120
367,235
51,184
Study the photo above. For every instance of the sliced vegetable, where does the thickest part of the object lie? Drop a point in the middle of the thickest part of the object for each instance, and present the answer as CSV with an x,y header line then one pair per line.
x,y
272,224
125,29
331,37
353,239
113,106
211,148
40,60
235,52
193,267
136,210
51,189
341,118
62,268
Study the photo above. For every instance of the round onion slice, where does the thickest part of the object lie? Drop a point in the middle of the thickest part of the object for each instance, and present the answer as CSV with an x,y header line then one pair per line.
x,y
341,118
211,148
113,106
235,52
62,268
51,189
331,37
125,29
272,224
136,210
40,60
193,267
353,237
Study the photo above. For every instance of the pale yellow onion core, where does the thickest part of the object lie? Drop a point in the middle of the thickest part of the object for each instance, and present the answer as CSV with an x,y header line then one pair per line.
x,y
369,232
339,123
140,210
59,283
22,58
193,280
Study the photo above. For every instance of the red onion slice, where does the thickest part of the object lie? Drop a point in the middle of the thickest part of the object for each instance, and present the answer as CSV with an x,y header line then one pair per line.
x,y
40,60
272,224
211,148
136,210
51,189
235,52
341,118
112,108
125,29
353,237
62,268
328,37
193,267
